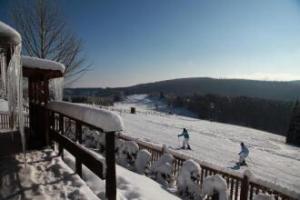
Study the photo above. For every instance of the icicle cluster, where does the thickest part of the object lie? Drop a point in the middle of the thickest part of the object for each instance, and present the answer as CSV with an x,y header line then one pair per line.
x,y
3,74
14,88
56,88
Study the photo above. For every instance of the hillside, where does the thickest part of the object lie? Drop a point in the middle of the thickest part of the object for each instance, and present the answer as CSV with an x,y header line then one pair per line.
x,y
216,143
276,90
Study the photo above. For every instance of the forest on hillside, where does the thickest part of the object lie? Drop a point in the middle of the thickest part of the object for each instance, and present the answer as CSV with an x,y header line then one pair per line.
x,y
269,115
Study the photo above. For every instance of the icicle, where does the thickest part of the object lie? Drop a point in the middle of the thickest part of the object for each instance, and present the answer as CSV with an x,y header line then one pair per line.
x,y
15,93
56,88
3,74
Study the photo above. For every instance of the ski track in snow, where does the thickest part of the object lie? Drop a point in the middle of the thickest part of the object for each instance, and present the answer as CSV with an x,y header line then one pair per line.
x,y
217,143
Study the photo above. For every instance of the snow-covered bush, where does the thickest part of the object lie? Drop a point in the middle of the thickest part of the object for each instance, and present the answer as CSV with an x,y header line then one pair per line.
x,y
263,197
94,139
142,162
118,146
187,179
162,169
215,184
128,152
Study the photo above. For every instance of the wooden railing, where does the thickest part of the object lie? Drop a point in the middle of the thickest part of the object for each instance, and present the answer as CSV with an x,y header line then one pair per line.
x,y
5,121
61,124
239,186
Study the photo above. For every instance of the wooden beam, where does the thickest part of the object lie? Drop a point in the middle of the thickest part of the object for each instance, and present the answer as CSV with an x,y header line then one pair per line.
x,y
87,158
111,191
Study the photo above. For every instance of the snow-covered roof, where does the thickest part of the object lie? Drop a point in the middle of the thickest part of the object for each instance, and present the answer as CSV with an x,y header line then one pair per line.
x,y
104,119
9,34
33,62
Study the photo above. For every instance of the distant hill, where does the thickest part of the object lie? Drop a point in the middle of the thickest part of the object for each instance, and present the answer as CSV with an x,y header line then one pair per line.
x,y
276,90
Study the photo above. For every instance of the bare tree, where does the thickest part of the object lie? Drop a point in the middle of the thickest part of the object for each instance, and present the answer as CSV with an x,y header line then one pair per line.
x,y
45,35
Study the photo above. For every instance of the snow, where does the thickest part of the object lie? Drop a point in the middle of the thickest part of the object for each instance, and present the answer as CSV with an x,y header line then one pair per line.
x,y
106,120
45,176
161,170
263,197
271,160
9,34
188,176
216,183
130,185
3,105
127,153
142,162
33,62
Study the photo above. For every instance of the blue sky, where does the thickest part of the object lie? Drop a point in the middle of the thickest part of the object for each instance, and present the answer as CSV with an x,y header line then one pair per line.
x,y
138,41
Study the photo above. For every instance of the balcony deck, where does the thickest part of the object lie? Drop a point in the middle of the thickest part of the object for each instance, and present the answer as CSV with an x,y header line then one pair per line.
x,y
45,176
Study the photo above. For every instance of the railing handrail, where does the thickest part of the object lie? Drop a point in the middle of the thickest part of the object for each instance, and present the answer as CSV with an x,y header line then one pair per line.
x,y
96,117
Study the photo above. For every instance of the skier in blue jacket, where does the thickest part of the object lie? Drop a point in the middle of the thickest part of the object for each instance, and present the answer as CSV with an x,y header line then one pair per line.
x,y
186,138
243,154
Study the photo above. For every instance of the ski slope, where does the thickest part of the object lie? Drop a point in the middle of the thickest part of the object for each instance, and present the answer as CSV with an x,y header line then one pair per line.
x,y
270,158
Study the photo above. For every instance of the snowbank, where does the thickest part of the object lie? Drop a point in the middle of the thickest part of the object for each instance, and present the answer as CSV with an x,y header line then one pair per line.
x,y
33,62
106,120
9,34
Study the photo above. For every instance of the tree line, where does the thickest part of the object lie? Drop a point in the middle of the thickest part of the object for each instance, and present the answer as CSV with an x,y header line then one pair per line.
x,y
268,115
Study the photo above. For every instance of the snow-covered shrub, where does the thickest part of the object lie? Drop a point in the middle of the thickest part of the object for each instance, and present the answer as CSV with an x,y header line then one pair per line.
x,y
215,184
118,146
142,162
162,169
187,179
128,152
94,139
263,197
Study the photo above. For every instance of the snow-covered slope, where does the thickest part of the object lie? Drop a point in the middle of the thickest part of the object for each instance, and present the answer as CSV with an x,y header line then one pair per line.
x,y
217,143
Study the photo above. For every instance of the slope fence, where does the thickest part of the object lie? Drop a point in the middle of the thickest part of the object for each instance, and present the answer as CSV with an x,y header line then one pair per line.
x,y
240,187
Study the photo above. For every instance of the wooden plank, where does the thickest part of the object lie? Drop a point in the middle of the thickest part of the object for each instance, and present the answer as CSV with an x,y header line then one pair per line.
x,y
111,191
87,158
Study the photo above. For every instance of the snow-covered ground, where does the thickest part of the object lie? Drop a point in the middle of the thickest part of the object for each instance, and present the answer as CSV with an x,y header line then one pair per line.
x,y
130,185
217,143
45,176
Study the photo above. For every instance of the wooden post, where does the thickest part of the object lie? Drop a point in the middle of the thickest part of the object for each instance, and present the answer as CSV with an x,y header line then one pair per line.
x,y
244,188
61,129
78,166
110,166
78,139
215,196
78,132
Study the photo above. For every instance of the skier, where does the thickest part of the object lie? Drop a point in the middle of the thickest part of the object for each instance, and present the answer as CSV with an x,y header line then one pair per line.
x,y
243,154
185,141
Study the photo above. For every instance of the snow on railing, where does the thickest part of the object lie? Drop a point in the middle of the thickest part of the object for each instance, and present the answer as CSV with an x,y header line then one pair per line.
x,y
106,120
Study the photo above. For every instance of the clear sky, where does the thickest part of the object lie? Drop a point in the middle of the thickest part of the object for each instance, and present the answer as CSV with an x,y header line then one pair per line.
x,y
139,41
